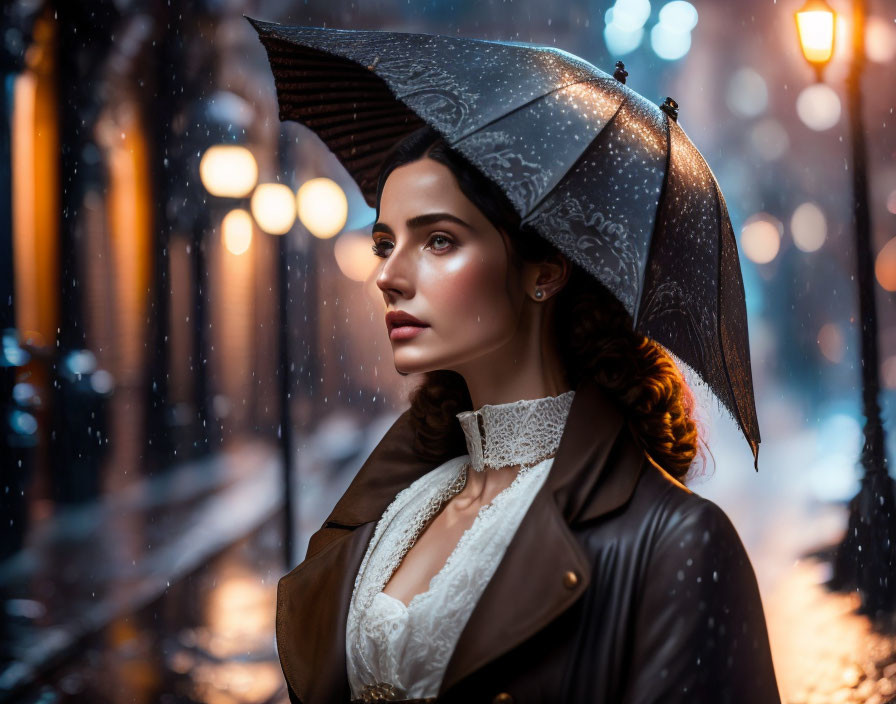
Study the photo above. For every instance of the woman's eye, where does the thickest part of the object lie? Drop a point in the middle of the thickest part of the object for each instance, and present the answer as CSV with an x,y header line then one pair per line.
x,y
378,248
441,243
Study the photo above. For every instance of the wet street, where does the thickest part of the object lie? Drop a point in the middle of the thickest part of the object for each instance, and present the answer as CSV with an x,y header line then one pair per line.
x,y
209,638
163,592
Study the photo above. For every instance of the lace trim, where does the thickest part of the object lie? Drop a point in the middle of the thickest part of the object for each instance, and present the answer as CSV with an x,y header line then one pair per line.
x,y
518,433
423,491
421,636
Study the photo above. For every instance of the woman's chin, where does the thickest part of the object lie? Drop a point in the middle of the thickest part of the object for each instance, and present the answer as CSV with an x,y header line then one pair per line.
x,y
412,363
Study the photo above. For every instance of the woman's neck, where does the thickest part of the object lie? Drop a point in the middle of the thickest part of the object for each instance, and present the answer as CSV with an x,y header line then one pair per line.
x,y
502,438
527,367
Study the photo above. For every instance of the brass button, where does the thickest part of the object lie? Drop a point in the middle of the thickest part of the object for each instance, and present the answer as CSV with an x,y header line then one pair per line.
x,y
502,698
570,579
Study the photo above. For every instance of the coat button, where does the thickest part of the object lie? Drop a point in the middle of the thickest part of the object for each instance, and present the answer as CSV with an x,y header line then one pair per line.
x,y
570,579
502,698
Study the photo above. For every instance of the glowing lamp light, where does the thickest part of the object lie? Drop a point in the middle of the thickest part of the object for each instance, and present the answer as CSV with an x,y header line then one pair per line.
x,y
228,170
236,230
815,26
322,207
273,206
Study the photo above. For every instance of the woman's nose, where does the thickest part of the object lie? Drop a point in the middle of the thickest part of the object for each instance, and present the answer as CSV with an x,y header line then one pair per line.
x,y
396,275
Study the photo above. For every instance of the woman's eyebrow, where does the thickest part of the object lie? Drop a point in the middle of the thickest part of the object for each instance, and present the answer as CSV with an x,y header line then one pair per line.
x,y
430,218
420,221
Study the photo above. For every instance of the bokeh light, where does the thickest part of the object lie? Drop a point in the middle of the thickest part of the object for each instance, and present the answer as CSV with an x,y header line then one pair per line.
x,y
809,227
624,28
669,44
236,230
228,171
769,138
818,106
831,343
747,94
839,440
322,207
679,16
619,42
888,372
670,38
354,256
628,15
760,237
273,206
885,266
880,40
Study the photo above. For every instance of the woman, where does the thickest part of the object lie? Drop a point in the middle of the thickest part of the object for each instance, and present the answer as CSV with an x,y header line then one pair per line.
x,y
522,532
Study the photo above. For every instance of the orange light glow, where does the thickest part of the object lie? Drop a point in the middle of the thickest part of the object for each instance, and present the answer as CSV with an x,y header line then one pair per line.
x,y
815,25
322,207
885,266
236,231
354,256
273,206
122,134
228,170
35,192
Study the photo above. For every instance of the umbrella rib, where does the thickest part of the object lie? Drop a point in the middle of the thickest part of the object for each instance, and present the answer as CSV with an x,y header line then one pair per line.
x,y
656,219
503,115
550,190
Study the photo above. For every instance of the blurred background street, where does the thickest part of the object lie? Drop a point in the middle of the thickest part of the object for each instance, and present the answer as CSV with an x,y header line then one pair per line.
x,y
194,362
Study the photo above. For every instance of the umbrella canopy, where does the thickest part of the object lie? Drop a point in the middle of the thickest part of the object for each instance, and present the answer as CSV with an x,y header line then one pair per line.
x,y
605,175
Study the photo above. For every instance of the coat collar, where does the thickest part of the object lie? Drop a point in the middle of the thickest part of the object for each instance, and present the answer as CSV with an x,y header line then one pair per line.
x,y
594,472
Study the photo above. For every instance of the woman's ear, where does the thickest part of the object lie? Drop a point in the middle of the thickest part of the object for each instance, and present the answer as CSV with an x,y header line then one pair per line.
x,y
546,278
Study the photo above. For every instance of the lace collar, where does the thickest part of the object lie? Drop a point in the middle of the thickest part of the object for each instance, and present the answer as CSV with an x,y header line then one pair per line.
x,y
517,433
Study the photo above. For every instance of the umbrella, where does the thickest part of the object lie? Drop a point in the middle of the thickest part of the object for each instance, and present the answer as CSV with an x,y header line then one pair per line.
x,y
607,176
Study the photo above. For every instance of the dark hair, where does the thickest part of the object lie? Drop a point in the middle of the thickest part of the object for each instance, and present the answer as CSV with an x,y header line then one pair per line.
x,y
592,329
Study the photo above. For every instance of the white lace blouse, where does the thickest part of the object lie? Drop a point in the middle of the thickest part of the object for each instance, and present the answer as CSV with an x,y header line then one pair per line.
x,y
408,647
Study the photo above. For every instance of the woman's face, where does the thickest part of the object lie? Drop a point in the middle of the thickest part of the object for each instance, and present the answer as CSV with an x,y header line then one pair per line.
x,y
446,265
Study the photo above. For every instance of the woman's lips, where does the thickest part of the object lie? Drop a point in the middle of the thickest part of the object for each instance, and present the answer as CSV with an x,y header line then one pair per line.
x,y
405,332
403,326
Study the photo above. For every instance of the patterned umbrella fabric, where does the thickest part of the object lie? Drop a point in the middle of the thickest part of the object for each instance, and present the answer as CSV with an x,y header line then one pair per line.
x,y
605,175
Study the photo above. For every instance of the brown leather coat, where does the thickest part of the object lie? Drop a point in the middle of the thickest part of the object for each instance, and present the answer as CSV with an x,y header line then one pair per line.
x,y
620,585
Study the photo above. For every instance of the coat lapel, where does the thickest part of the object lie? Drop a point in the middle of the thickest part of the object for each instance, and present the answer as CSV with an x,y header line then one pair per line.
x,y
594,472
313,599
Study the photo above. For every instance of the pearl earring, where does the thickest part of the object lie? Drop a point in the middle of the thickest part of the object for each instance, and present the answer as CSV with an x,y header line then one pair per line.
x,y
539,294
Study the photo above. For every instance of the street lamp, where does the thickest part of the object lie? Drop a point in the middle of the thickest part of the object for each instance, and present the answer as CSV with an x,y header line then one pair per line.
x,y
815,27
866,557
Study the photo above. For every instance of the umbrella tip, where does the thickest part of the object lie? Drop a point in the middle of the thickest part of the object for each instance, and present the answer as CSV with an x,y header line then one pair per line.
x,y
620,73
670,107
